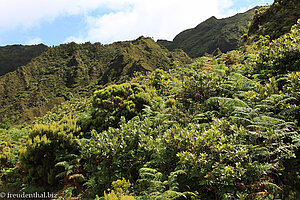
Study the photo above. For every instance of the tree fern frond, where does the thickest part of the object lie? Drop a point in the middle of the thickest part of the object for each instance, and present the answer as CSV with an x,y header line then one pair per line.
x,y
60,175
241,120
288,100
267,120
296,141
227,104
64,164
263,106
170,194
285,125
76,176
256,127
269,185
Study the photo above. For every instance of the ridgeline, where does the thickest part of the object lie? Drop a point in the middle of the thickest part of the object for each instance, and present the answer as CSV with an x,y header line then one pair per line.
x,y
76,70
211,36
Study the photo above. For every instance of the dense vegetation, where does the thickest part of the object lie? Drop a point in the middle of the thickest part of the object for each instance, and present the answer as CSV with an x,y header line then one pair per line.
x,y
73,70
211,36
14,56
222,127
276,19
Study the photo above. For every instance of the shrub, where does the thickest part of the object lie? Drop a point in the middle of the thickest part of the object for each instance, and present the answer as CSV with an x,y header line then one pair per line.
x,y
114,101
46,146
120,191
5,123
281,55
4,156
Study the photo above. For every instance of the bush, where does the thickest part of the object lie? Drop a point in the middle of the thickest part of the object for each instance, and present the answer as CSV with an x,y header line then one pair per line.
x,y
120,191
4,156
47,145
281,55
5,123
114,101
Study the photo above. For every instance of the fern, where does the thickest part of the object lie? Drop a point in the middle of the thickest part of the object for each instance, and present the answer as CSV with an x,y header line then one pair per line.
x,y
296,140
172,179
158,188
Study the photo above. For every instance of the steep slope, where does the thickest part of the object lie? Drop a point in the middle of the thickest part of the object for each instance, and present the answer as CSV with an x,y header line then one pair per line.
x,y
72,70
211,35
275,20
14,56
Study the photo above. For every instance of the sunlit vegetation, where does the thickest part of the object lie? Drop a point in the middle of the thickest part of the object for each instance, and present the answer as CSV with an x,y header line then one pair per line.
x,y
77,70
223,127
276,19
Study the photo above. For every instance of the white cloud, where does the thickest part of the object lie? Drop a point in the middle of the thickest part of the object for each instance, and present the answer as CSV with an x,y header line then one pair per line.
x,y
129,19
29,13
35,41
161,19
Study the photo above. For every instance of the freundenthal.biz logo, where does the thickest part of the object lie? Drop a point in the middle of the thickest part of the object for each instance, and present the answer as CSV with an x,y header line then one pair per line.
x,y
35,195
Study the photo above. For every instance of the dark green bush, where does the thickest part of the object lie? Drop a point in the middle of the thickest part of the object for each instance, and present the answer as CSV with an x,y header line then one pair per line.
x,y
5,123
46,146
114,101
4,156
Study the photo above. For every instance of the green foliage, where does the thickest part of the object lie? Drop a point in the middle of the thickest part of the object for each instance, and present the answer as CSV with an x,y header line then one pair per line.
x,y
153,185
120,191
115,101
11,141
224,127
72,174
225,161
14,56
4,157
275,20
48,145
5,123
75,71
200,87
282,55
66,194
117,153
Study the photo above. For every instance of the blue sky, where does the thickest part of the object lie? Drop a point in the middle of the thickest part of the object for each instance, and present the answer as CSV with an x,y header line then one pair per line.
x,y
54,22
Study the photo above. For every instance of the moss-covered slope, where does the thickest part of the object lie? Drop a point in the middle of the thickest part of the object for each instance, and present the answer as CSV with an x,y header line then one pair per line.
x,y
72,70
275,20
14,56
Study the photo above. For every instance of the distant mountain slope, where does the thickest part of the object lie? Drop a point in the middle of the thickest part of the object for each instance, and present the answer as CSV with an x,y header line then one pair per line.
x,y
73,70
276,19
14,56
211,35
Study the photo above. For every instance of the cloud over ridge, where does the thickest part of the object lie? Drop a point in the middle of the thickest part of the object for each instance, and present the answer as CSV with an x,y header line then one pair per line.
x,y
121,19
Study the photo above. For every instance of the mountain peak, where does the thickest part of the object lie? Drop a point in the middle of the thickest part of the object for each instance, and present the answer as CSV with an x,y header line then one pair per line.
x,y
210,35
212,18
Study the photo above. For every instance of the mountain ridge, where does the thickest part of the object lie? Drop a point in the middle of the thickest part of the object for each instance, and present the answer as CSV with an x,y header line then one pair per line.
x,y
14,56
210,35
76,70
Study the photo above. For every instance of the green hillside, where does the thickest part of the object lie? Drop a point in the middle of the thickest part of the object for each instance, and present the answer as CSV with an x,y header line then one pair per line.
x,y
134,121
211,35
72,70
14,56
275,20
